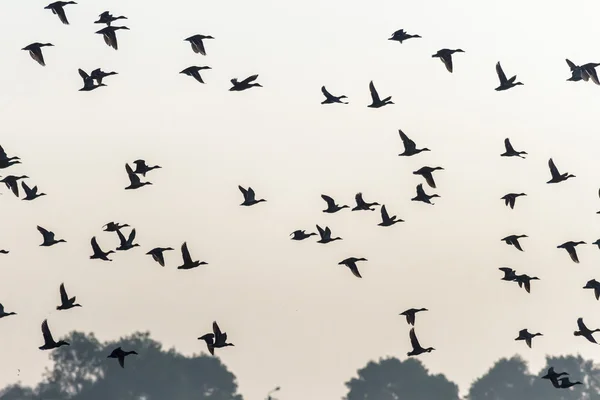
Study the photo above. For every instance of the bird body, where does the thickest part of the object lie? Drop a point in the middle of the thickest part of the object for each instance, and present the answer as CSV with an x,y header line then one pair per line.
x,y
3,313
505,84
107,18
350,262
585,331
245,84
401,35
525,335
188,263
332,207
49,342
593,284
410,148
249,196
510,151
570,248
427,173
525,281
301,235
58,9
31,193
134,179
417,348
422,196
126,244
11,183
110,36
509,199
376,101
194,71
120,355
410,314
142,168
386,220
513,240
446,56
362,205
326,235
215,340
157,254
49,239
330,99
197,43
88,82
35,51
98,253
66,302
557,176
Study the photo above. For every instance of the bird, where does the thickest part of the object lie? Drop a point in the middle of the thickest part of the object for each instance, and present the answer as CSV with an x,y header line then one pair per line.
x,y
326,235
114,226
565,383
525,281
410,148
4,313
509,274
2,251
98,75
188,263
88,82
350,262
31,193
194,71
362,205
110,35
127,244
597,243
427,173
400,36
557,176
505,84
107,18
376,100
245,84
514,241
11,182
386,220
330,99
197,44
593,284
417,348
249,197
134,179
6,161
585,331
57,8
35,51
332,207
120,355
510,151
553,376
446,56
66,302
98,253
157,254
577,73
410,314
142,168
570,248
301,234
215,340
49,342
509,199
525,335
422,196
49,239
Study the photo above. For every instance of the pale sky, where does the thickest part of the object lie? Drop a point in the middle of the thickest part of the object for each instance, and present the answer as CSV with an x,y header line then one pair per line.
x,y
298,319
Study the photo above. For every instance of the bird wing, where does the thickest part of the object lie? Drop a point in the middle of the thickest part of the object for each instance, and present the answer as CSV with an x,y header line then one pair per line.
x,y
46,332
384,214
133,178
374,94
508,146
321,231
14,187
249,79
63,294
121,360
413,339
511,202
515,242
327,231
326,93
37,55
447,60
581,325
196,74
420,191
408,143
359,199
331,202
187,259
61,15
244,191
3,155
572,66
26,188
110,38
429,179
553,169
217,331
251,194
159,257
573,253
95,246
500,73
1,309
121,237
44,232
131,236
591,71
354,269
198,47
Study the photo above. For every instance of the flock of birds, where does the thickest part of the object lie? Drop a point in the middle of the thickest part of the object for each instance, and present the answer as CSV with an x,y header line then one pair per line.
x,y
217,338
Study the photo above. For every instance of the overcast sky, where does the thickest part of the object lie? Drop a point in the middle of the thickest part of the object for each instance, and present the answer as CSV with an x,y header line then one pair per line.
x,y
297,318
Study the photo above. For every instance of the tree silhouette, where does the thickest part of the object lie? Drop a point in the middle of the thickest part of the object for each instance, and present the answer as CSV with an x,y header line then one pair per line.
x,y
392,379
507,379
82,371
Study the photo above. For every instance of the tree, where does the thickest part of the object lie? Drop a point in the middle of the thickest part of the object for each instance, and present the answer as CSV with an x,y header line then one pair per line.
x,y
508,379
392,379
82,372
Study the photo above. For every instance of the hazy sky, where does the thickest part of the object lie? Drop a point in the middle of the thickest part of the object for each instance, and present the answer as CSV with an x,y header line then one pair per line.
x,y
297,318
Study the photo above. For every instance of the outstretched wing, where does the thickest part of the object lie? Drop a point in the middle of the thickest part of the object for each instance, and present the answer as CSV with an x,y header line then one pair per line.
x,y
384,213
95,246
187,259
331,202
374,94
500,73
508,146
249,79
133,178
46,332
413,339
325,92
420,191
408,143
581,325
553,169
63,294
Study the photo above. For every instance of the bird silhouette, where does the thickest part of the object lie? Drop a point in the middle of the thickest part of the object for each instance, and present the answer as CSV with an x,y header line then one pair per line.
x,y
386,220
362,205
350,262
31,193
194,71
330,99
525,281
134,179
510,151
35,51
509,199
410,148
422,196
66,303
110,35
585,331
49,342
249,196
301,234
49,239
417,348
120,355
88,82
98,253
427,173
188,263
410,314
11,183
513,240
525,335
215,340
593,284
245,84
107,18
446,56
326,235
126,244
58,9
376,100
570,248
505,84
332,207
557,176
98,75
3,313
400,36
157,254
142,168
197,43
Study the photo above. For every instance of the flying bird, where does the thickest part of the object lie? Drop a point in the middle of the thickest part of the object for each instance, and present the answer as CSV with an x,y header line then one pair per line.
x,y
417,348
57,9
107,18
410,314
134,179
110,35
114,226
584,72
509,199
188,263
513,240
509,274
98,75
557,176
505,84
329,98
6,161
510,151
332,207
49,239
525,335
565,383
422,196
376,101
525,281
361,205
49,342
427,173
350,262
585,331
66,302
410,148
570,248
2,251
35,51
194,72
157,254
4,313
197,44
593,284
31,193
326,235
446,56
127,244
215,340
98,253
142,168
11,183
301,234
245,84
88,82
120,355
553,376
400,36
249,197
386,220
